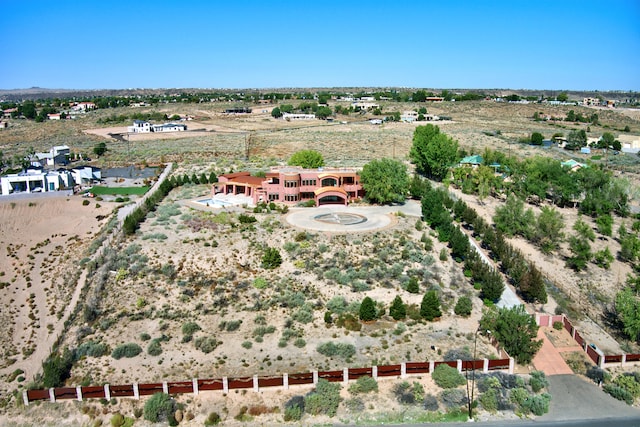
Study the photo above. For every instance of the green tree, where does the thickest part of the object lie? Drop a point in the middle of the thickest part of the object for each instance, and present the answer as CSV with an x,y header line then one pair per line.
x,y
367,310
532,287
628,310
276,113
605,224
203,179
385,181
160,407
562,97
323,112
536,138
308,159
100,148
430,306
398,310
433,152
548,232
463,307
511,218
515,330
213,178
459,244
418,186
413,286
28,109
580,253
271,258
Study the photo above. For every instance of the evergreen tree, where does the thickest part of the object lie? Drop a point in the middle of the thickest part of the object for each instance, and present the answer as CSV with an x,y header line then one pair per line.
x,y
213,178
532,286
203,179
367,310
398,310
459,243
185,179
430,306
195,179
463,307
271,259
413,286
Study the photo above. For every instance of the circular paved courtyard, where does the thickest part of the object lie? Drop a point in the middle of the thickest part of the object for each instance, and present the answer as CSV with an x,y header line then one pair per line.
x,y
346,219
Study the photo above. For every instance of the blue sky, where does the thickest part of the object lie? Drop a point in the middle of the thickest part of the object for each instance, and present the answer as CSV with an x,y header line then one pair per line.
x,y
517,44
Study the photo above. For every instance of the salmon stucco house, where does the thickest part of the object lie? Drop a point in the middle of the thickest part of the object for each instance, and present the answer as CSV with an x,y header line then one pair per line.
x,y
292,185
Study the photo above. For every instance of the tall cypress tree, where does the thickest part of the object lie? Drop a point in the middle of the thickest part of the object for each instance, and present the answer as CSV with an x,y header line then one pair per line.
x,y
398,310
367,310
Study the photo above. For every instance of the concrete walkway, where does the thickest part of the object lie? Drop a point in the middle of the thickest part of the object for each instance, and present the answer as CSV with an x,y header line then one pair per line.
x,y
548,359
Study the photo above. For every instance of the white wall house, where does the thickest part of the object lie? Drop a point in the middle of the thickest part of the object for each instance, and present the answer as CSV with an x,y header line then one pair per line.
x,y
169,127
86,175
32,181
139,126
409,116
291,116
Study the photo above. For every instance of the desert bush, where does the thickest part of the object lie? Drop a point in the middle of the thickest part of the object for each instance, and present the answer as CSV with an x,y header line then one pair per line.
x,y
92,349
246,219
160,407
259,283
557,325
145,336
364,384
619,393
538,381
629,383
207,344
154,348
261,331
408,394
126,350
213,419
324,399
447,377
247,344
189,328
538,404
489,400
233,325
304,314
300,342
271,258
430,403
457,354
337,305
355,404
329,349
518,396
294,408
453,398
598,375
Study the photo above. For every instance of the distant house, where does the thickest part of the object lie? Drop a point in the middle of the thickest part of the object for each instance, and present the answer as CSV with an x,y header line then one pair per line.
x,y
572,165
472,161
7,113
409,116
365,105
295,116
53,116
169,127
238,110
375,121
58,155
83,106
86,175
435,99
140,126
585,150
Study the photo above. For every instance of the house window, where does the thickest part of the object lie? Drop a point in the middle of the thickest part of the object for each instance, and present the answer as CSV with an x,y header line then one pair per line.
x,y
290,197
274,196
308,182
329,182
307,195
290,184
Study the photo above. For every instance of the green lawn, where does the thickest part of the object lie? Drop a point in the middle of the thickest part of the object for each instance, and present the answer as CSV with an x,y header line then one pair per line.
x,y
125,191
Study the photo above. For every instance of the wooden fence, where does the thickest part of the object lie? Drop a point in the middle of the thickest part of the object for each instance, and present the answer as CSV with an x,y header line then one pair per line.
x,y
256,383
591,349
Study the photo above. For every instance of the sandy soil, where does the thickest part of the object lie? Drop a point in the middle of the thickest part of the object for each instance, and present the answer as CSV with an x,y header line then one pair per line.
x,y
42,242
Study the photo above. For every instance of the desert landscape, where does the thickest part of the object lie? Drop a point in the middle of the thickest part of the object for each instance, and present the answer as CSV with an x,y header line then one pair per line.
x,y
189,288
